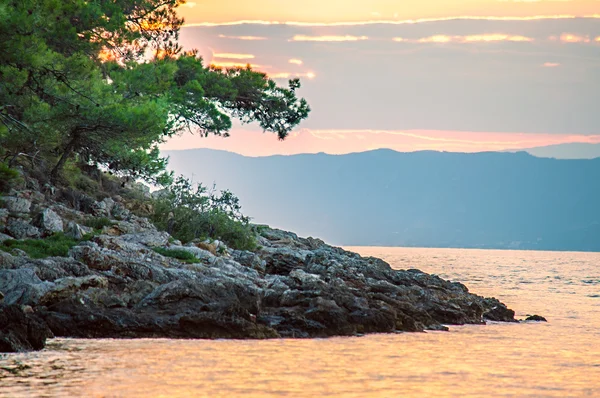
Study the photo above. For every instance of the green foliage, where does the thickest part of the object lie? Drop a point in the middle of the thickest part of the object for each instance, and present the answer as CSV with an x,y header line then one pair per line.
x,y
182,255
97,223
105,82
191,212
57,245
8,177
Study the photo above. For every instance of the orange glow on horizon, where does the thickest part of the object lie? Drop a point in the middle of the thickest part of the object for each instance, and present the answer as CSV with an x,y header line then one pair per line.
x,y
332,11
255,143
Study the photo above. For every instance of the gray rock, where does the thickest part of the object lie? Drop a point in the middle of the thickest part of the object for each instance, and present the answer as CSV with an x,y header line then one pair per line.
x,y
4,237
77,231
16,205
201,254
21,229
22,286
49,222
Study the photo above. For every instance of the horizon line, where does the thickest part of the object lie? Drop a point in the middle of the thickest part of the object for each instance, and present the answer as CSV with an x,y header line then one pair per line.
x,y
390,22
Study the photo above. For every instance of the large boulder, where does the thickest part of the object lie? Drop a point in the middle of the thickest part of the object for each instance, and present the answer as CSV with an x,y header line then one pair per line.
x,y
21,330
22,286
16,205
21,229
49,222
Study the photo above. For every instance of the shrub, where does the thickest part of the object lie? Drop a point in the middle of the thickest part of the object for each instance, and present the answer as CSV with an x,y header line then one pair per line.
x,y
8,177
193,212
57,245
182,255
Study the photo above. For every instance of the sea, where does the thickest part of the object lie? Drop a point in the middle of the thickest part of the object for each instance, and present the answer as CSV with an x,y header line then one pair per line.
x,y
560,358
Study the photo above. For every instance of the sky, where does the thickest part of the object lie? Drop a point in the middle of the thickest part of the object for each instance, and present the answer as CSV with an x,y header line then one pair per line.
x,y
466,75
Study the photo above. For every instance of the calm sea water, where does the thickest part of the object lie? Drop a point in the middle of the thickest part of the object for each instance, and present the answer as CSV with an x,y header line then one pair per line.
x,y
560,358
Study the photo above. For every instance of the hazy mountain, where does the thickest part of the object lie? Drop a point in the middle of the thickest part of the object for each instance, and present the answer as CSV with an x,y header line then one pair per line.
x,y
565,151
382,197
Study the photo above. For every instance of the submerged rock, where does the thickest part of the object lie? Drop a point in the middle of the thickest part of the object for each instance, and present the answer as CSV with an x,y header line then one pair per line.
x,y
535,318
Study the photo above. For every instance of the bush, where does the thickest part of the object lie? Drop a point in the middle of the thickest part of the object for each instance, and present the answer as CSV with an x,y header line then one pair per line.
x,y
57,245
8,177
182,255
188,213
98,222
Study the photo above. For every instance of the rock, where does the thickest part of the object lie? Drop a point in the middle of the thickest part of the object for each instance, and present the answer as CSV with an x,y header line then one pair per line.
x,y
497,311
4,237
535,318
65,288
16,205
49,222
21,331
4,213
20,229
22,286
200,254
77,231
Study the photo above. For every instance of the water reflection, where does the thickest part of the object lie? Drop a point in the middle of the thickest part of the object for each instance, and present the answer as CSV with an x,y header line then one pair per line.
x,y
560,358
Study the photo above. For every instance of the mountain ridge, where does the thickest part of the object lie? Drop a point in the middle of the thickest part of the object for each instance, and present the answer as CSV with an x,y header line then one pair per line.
x,y
430,199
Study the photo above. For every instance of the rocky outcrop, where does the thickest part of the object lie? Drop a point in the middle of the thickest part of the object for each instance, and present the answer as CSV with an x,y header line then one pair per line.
x,y
117,285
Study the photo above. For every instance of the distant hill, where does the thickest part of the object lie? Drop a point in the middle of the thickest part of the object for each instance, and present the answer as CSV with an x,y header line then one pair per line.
x,y
430,199
565,151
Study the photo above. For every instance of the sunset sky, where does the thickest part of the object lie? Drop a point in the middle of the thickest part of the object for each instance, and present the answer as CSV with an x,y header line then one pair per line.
x,y
467,75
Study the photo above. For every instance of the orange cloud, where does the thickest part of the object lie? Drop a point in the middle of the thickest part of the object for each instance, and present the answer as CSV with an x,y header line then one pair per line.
x,y
550,65
486,38
219,64
573,38
295,61
287,75
233,56
247,38
328,38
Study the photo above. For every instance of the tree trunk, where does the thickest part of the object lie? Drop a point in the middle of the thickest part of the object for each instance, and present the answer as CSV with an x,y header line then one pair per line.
x,y
65,156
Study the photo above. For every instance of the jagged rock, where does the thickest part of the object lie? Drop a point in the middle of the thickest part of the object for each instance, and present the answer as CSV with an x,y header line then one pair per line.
x,y
65,288
21,229
116,285
16,205
22,286
4,213
21,331
201,254
249,259
4,237
535,318
49,222
77,231
497,311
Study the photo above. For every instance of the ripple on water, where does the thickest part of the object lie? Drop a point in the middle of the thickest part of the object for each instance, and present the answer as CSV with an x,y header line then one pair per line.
x,y
558,358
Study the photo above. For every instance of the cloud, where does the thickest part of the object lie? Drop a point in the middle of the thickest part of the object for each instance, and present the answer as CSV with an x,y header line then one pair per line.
x,y
288,75
486,38
247,38
573,38
220,64
233,56
295,61
550,64
190,4
328,38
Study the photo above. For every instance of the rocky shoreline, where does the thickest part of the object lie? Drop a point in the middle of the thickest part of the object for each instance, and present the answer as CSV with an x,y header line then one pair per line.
x,y
116,284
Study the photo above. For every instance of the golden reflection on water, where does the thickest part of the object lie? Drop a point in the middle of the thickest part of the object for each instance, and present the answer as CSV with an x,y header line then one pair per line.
x,y
560,358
